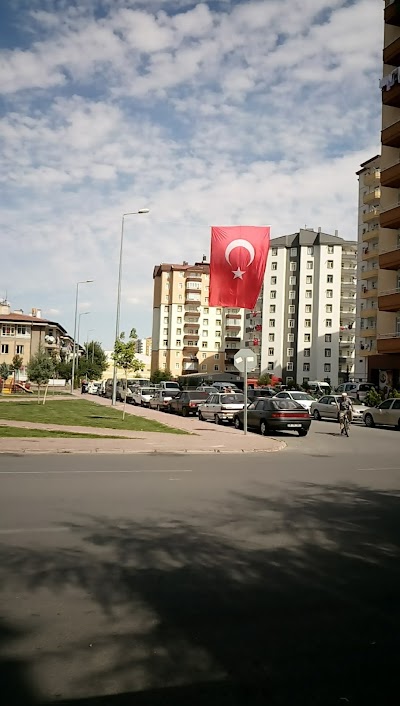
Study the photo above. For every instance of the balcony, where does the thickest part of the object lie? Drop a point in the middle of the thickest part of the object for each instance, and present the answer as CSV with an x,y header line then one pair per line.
x,y
371,234
189,299
391,96
390,300
192,314
369,332
371,215
391,217
370,253
190,368
390,260
369,312
390,136
189,352
391,53
191,323
372,179
369,273
343,342
233,338
369,293
192,286
392,13
389,343
193,276
391,176
372,197
233,326
191,336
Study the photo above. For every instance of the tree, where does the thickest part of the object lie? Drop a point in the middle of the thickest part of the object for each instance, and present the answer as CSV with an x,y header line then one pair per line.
x,y
63,370
16,364
40,369
124,356
93,363
373,398
160,375
264,379
4,373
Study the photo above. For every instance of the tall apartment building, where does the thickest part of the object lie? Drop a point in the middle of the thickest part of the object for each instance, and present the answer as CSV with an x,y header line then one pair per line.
x,y
369,195
143,346
303,327
189,336
388,322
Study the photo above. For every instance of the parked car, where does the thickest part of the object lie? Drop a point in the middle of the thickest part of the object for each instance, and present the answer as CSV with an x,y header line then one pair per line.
x,y
221,386
327,408
162,398
254,394
356,389
187,403
221,406
101,388
387,413
141,395
93,387
207,388
275,414
303,398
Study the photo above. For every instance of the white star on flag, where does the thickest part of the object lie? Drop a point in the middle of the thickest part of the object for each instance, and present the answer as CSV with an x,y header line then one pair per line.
x,y
238,274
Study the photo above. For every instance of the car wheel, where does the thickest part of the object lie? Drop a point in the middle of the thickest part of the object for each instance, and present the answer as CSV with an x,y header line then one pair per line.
x,y
316,415
369,420
201,418
185,412
264,428
237,423
217,419
398,425
302,432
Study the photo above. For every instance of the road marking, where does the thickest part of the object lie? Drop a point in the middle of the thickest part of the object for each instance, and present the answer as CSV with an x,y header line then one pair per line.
x,y
22,530
69,472
392,468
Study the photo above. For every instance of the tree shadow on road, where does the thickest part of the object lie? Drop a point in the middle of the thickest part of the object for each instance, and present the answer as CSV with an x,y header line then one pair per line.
x,y
271,600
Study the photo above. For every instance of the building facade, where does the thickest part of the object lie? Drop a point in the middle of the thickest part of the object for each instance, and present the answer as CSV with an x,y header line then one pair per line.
x,y
303,327
143,346
22,334
189,336
385,369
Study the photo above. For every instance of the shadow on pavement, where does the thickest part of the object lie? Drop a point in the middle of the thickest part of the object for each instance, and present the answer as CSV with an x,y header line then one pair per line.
x,y
282,600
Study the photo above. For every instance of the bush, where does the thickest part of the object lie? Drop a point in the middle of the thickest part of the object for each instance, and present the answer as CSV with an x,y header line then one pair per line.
x,y
373,398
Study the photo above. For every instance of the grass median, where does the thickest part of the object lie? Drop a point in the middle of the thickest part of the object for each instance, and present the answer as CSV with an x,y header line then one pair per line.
x,y
79,413
13,432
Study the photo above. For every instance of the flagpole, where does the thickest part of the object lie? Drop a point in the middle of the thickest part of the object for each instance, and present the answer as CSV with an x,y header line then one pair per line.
x,y
245,398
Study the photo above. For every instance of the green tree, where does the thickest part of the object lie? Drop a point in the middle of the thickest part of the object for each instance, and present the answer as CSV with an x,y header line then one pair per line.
x,y
373,398
160,375
264,379
16,364
124,356
93,362
4,373
40,369
63,370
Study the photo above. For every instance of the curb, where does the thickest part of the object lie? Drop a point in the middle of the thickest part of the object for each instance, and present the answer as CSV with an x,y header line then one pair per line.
x,y
150,452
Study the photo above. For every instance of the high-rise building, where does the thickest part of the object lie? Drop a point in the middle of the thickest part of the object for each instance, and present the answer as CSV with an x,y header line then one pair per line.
x,y
303,327
388,321
143,346
369,195
189,336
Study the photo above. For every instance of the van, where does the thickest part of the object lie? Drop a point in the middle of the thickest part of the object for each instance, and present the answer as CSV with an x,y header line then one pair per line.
x,y
169,385
317,387
359,390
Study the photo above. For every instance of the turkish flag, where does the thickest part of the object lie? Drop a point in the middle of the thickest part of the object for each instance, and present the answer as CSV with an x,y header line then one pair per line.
x,y
237,264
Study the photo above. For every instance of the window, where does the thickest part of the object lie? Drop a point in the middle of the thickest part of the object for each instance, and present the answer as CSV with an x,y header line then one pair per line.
x,y
329,279
306,367
165,342
272,294
293,266
292,308
307,352
309,279
218,322
274,265
204,355
179,320
328,352
205,322
272,323
216,356
177,353
330,249
180,285
308,293
217,344
292,279
310,250
166,308
289,367
329,264
206,300
327,368
204,367
204,334
328,308
329,293
179,308
292,294
328,323
219,311
307,337
218,334
216,367
177,366
272,308
178,342
274,252
309,264
21,330
328,338
271,337
20,350
291,323
290,337
308,308
165,319
271,351
290,352
293,252
273,280
270,366
204,344
307,323
4,347
165,332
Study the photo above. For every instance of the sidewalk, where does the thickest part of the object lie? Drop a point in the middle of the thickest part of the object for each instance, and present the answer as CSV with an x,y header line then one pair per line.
x,y
202,437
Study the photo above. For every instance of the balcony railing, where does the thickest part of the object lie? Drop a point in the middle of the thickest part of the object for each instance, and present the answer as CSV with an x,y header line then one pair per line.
x,y
392,13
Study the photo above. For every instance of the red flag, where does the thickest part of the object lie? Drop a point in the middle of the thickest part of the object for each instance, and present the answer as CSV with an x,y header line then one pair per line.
x,y
237,265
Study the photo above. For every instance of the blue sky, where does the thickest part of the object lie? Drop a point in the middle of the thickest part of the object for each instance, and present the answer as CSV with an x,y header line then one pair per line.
x,y
207,113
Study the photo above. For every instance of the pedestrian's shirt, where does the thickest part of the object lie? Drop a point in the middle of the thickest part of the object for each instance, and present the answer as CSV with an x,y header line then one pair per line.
x,y
344,405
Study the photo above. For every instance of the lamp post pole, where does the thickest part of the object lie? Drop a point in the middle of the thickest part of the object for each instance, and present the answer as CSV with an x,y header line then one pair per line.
x,y
83,313
85,281
117,317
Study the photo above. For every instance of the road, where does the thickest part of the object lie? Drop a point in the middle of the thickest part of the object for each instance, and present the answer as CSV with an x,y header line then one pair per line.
x,y
188,580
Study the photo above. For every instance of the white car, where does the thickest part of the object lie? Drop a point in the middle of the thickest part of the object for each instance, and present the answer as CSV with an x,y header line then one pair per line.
x,y
356,389
141,395
221,407
162,398
387,413
303,398
327,408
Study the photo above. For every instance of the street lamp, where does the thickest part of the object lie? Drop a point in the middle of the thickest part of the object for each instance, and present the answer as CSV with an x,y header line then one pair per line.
x,y
117,331
84,281
83,313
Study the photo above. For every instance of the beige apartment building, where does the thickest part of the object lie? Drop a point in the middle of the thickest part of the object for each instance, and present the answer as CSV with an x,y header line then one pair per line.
x,y
23,334
189,336
388,321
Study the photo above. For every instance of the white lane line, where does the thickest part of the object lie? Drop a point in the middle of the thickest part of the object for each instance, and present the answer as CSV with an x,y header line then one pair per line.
x,y
69,472
23,530
392,468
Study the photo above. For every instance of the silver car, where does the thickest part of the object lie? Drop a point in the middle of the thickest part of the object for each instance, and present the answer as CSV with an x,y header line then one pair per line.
x,y
327,408
221,406
387,413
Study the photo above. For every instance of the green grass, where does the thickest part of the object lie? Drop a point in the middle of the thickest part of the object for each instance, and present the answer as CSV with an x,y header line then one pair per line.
x,y
79,413
7,432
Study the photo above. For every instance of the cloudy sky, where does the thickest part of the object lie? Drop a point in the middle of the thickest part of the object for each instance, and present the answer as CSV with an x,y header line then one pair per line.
x,y
215,113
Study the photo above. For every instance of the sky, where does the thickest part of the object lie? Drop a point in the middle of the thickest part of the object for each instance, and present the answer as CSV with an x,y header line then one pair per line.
x,y
227,112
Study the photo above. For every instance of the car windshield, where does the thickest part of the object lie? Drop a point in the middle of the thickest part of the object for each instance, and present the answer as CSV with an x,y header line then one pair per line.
x,y
301,396
232,399
284,404
147,390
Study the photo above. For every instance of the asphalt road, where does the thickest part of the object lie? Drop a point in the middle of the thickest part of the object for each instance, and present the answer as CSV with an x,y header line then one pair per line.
x,y
212,580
